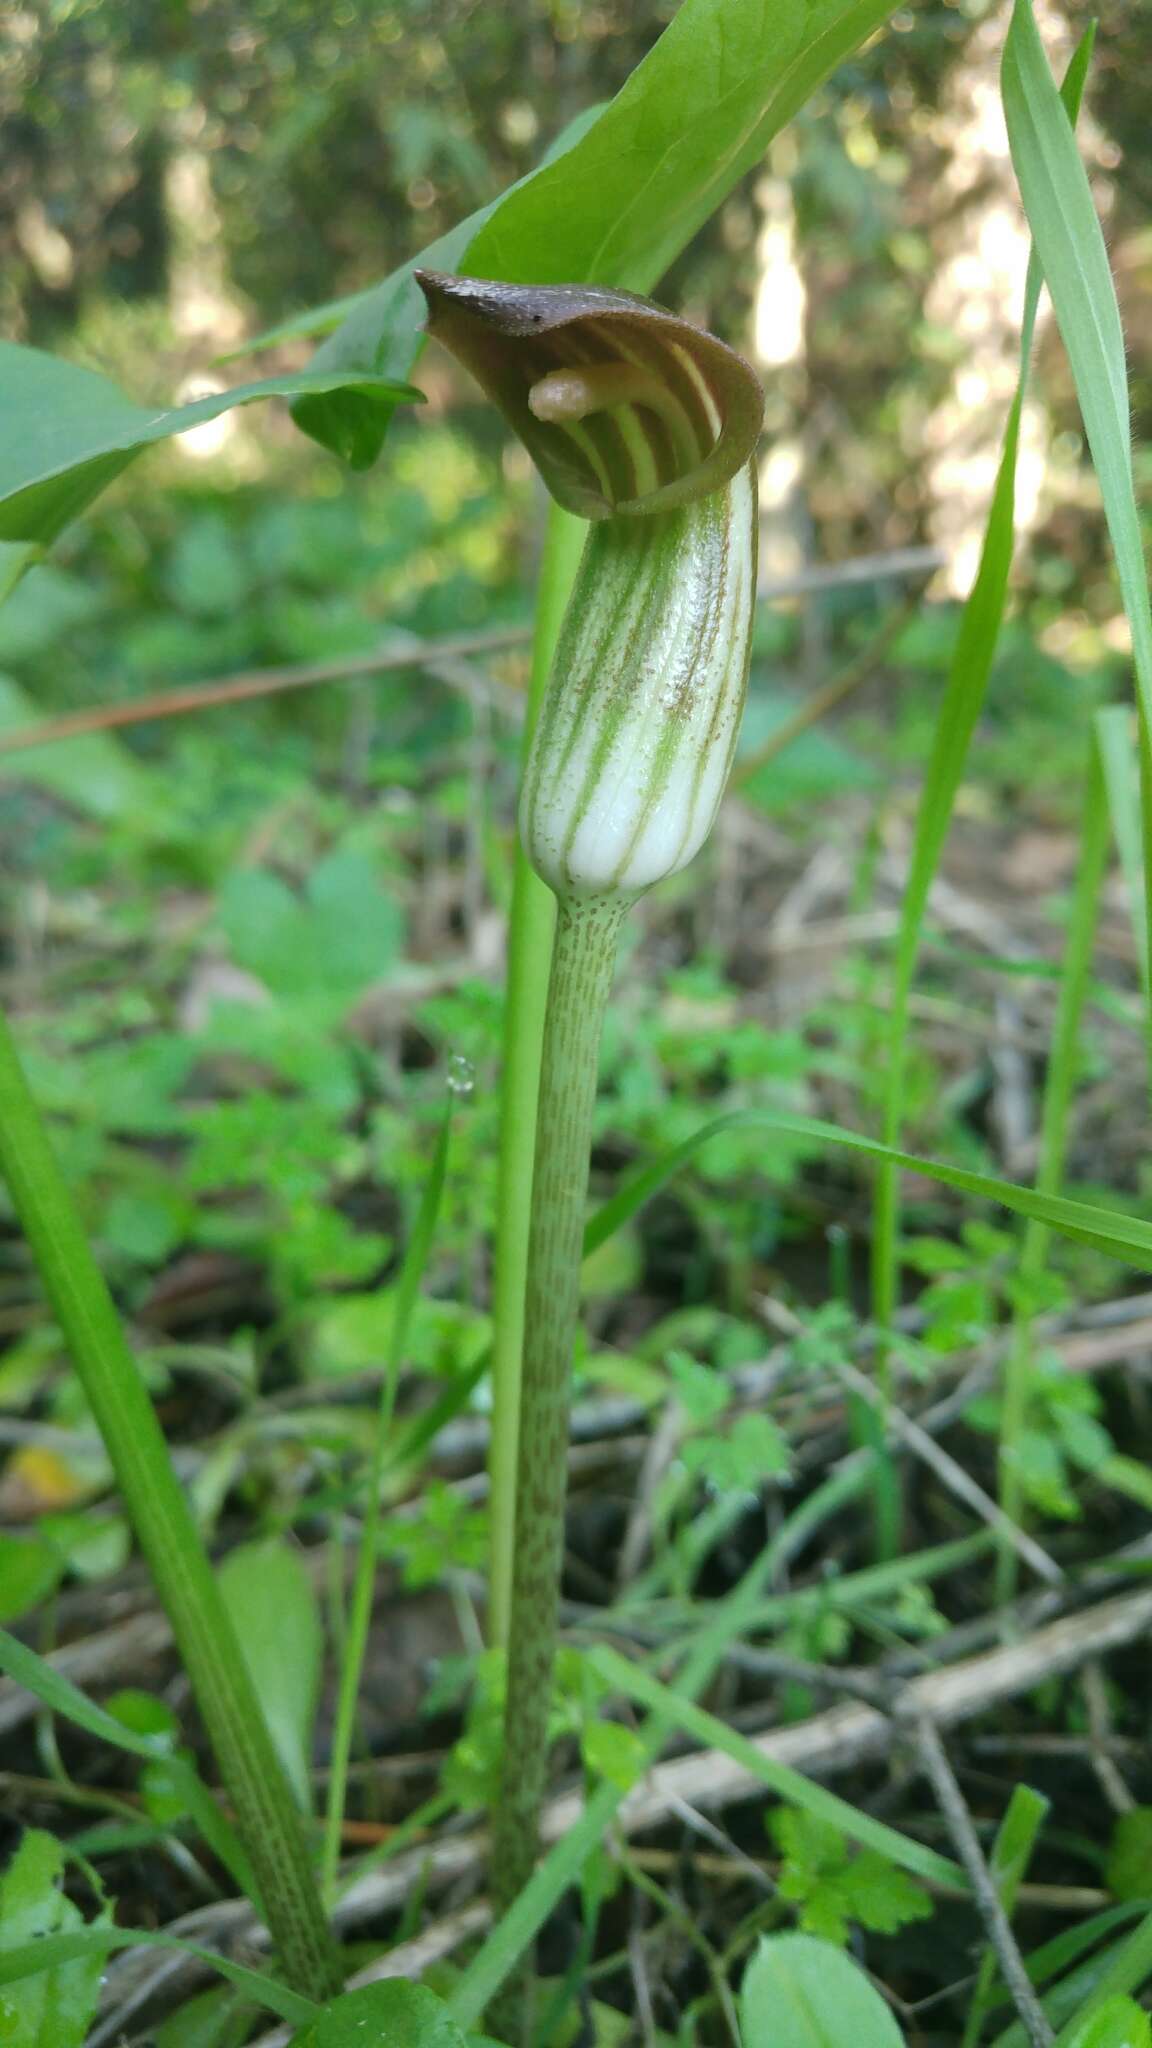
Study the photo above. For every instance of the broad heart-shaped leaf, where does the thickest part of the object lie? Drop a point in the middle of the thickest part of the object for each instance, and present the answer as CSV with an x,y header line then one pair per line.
x,y
619,205
273,1605
388,2015
65,432
53,2009
802,1993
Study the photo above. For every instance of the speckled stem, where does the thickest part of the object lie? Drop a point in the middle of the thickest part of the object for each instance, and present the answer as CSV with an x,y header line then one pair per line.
x,y
583,961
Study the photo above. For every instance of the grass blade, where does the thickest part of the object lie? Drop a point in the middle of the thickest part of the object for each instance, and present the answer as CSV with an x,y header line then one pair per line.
x,y
269,1822
37,1676
25,1667
955,724
712,1733
1122,783
1105,1230
1070,244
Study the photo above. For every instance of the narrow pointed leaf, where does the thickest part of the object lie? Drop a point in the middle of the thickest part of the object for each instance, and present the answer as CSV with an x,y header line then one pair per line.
x,y
1105,1230
53,1951
712,1733
25,1667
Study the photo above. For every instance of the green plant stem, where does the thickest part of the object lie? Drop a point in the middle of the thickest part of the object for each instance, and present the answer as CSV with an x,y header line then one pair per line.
x,y
364,1581
270,1824
582,966
1058,1091
530,927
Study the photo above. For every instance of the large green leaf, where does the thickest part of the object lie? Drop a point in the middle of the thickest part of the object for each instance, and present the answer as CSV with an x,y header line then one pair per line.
x,y
619,206
802,1993
65,432
388,2015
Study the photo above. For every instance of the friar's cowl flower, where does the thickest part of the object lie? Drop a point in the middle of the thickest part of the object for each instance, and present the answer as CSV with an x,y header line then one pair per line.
x,y
646,426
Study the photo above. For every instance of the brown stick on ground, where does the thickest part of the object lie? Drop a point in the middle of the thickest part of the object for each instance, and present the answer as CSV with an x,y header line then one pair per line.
x,y
403,651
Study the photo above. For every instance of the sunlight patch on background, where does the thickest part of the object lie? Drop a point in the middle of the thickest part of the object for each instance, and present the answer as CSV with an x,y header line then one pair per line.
x,y
778,340
974,304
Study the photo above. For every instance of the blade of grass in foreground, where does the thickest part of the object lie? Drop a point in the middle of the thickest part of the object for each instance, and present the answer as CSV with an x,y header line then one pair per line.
x,y
270,1824
1113,1972
1069,242
25,1667
956,722
1058,1090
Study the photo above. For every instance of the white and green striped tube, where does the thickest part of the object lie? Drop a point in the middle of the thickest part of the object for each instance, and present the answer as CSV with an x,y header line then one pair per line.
x,y
636,734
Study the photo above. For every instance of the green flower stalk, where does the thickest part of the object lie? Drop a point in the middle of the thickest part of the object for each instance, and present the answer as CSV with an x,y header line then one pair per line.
x,y
645,426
